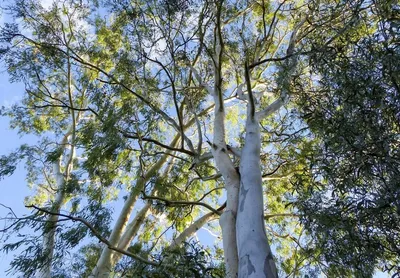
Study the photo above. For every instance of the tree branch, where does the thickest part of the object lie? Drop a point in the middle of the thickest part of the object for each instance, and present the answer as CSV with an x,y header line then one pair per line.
x,y
131,136
181,203
268,216
251,107
97,235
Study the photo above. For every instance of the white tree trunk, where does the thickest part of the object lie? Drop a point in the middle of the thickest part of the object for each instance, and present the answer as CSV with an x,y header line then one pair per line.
x,y
104,264
131,232
255,257
193,228
133,227
231,177
51,222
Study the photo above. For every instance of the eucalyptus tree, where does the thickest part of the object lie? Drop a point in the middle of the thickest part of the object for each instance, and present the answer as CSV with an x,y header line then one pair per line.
x,y
54,108
60,85
171,107
355,111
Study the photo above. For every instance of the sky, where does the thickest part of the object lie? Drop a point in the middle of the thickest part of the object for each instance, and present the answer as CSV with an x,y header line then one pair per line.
x,y
14,189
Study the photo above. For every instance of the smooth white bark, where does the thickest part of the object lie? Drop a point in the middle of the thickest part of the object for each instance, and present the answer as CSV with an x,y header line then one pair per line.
x,y
231,178
133,227
50,229
272,108
104,264
255,257
131,232
227,222
193,228
224,163
61,178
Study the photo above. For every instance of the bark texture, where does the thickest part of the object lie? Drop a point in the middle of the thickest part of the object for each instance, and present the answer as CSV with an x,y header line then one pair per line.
x,y
255,257
231,178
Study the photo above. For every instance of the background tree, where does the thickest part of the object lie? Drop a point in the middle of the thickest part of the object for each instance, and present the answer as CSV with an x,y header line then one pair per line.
x,y
354,113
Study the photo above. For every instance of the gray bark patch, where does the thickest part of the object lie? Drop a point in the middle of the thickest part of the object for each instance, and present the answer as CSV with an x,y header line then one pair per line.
x,y
246,264
269,270
250,266
263,223
243,192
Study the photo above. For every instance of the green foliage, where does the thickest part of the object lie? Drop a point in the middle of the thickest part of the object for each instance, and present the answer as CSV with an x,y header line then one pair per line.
x,y
108,88
8,163
85,260
352,205
189,261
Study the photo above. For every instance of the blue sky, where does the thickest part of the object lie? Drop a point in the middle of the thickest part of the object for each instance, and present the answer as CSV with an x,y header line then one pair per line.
x,y
14,189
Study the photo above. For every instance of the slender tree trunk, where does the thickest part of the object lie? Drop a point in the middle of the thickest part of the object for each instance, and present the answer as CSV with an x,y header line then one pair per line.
x,y
227,222
61,177
104,264
193,228
231,177
131,232
51,222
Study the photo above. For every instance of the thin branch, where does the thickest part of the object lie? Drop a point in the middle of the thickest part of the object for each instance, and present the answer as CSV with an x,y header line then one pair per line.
x,y
96,234
131,136
200,80
268,216
277,104
278,59
84,62
209,192
252,108
275,170
10,209
174,92
181,203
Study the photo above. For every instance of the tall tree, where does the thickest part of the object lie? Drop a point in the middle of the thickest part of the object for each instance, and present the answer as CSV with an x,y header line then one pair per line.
x,y
189,111
354,112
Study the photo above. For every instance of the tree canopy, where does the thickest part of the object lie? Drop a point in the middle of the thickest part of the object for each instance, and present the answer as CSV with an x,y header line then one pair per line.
x,y
156,118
